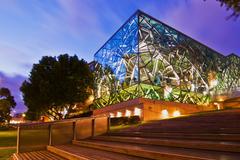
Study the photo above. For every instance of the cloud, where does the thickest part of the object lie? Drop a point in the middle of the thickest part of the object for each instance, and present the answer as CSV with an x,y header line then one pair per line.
x,y
14,83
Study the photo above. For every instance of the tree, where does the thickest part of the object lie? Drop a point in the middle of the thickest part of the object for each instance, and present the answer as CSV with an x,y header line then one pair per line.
x,y
56,85
6,104
234,5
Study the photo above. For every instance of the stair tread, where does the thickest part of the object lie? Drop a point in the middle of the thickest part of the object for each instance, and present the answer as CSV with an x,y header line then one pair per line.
x,y
177,135
163,149
38,155
168,140
185,143
95,154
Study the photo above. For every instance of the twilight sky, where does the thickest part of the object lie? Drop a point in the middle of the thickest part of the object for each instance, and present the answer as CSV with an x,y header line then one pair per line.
x,y
32,29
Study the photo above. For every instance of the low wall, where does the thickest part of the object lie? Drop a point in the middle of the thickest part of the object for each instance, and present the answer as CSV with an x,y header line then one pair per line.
x,y
130,104
37,136
155,109
232,103
150,109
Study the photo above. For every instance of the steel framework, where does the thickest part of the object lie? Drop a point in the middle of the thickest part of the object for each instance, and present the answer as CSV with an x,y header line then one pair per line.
x,y
147,58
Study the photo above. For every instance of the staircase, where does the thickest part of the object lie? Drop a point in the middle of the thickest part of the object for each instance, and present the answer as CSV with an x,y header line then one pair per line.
x,y
206,136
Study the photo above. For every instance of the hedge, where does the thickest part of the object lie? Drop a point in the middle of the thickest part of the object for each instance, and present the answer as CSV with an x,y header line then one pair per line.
x,y
124,120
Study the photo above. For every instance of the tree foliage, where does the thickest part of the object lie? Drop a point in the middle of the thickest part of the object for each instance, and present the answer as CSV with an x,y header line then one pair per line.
x,y
55,85
6,104
233,5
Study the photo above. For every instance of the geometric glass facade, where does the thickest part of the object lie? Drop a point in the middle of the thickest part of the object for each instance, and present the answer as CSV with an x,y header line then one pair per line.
x,y
147,58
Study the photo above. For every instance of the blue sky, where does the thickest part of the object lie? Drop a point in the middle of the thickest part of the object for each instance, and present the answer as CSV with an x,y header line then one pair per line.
x,y
32,29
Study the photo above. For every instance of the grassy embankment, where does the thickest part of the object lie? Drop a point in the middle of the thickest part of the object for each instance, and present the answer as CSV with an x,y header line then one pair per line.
x,y
7,139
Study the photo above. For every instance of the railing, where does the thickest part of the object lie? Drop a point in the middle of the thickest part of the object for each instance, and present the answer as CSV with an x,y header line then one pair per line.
x,y
37,136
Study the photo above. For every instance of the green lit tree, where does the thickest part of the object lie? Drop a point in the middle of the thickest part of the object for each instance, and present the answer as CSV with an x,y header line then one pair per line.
x,y
233,5
6,104
56,85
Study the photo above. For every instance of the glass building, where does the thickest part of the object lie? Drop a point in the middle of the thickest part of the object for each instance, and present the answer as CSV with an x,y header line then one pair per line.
x,y
147,58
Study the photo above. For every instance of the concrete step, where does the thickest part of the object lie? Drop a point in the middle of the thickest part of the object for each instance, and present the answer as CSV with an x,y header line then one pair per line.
x,y
158,152
232,124
214,118
195,144
189,130
74,152
185,129
206,118
177,135
37,155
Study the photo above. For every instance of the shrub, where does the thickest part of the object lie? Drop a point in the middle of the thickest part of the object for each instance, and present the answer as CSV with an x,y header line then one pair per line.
x,y
124,120
84,114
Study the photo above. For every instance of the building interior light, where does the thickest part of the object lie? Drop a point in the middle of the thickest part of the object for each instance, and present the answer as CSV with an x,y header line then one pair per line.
x,y
205,92
15,121
119,114
176,113
193,87
128,113
137,111
220,99
167,91
164,113
213,83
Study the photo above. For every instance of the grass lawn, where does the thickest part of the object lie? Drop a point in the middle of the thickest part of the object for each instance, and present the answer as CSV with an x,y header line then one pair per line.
x,y
8,138
6,153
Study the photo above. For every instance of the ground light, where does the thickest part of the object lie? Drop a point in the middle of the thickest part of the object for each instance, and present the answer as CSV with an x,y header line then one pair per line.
x,y
176,113
164,113
128,113
218,105
111,115
119,114
137,112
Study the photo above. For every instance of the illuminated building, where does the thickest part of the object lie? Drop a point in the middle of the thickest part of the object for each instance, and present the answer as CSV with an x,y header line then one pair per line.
x,y
147,58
